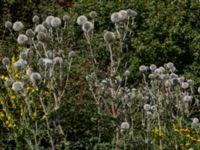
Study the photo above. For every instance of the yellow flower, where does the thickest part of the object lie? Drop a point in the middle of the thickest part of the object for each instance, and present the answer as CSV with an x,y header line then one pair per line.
x,y
5,78
9,117
13,97
7,122
1,114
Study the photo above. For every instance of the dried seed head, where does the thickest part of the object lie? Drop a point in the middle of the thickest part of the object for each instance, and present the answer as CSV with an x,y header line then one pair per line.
x,y
5,61
109,37
29,71
81,20
8,25
24,55
18,26
22,39
17,86
127,73
87,26
56,22
35,19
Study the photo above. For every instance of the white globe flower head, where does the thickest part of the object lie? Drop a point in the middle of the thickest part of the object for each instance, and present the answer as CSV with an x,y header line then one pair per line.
x,y
123,15
35,77
20,64
22,39
93,14
47,62
147,107
125,125
153,67
81,20
18,26
66,18
8,25
8,83
40,28
30,33
109,37
56,22
17,86
5,61
127,73
29,71
42,37
57,60
195,120
24,55
48,20
187,98
143,68
35,19
168,83
87,26
131,13
185,85
115,17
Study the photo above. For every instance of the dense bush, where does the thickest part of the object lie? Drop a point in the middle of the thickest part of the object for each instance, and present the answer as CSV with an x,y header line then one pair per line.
x,y
73,84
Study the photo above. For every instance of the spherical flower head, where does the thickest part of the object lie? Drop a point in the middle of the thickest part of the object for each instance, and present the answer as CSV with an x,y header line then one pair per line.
x,y
40,28
143,68
57,60
8,25
56,22
152,67
45,24
198,90
5,61
65,18
17,86
127,73
185,85
18,26
147,107
123,15
30,33
46,62
190,82
168,83
115,17
35,19
187,98
131,13
8,83
71,54
35,77
24,55
20,65
109,37
151,76
42,37
87,26
93,14
195,120
81,20
22,39
48,20
125,125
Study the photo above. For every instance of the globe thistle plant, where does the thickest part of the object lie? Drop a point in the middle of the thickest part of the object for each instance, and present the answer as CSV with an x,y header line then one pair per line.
x,y
81,20
17,86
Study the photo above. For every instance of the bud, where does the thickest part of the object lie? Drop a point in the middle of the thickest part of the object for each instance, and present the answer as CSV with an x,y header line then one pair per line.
x,y
109,37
